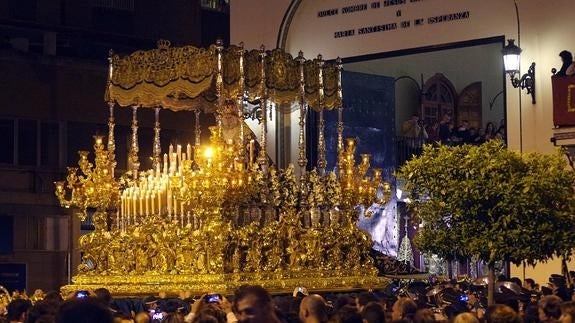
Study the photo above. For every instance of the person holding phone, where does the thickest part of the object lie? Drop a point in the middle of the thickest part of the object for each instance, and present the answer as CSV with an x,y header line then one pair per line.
x,y
211,305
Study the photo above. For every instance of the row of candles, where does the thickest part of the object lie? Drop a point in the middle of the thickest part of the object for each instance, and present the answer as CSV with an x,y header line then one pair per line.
x,y
153,194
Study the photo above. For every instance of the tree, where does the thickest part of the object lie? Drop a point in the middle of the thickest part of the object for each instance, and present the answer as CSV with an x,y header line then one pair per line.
x,y
492,204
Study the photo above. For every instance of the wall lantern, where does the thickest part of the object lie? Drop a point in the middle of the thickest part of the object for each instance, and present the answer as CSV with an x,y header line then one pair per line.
x,y
511,58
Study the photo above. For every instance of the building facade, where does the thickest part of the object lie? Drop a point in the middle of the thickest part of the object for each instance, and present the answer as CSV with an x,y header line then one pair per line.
x,y
53,58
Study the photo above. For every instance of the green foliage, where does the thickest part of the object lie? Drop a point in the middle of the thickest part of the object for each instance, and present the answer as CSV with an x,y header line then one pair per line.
x,y
491,203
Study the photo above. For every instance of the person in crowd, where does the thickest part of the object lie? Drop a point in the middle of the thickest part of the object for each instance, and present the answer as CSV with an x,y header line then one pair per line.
x,y
549,308
313,309
42,310
529,284
403,309
500,313
433,132
567,312
466,318
567,67
374,312
490,131
462,135
445,129
363,299
17,310
347,314
221,310
253,304
414,132
84,311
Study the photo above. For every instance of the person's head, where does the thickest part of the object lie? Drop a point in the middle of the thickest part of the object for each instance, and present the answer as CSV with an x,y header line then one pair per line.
x,y
103,296
415,117
363,299
313,307
424,315
142,317
17,310
151,303
567,312
566,56
466,318
499,313
403,308
373,313
549,308
253,304
529,284
343,301
445,118
89,310
42,309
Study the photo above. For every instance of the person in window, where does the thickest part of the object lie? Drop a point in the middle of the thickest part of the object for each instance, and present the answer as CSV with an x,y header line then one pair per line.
x,y
445,130
568,67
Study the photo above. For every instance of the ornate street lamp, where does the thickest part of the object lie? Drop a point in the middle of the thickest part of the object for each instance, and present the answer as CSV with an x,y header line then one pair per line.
x,y
511,59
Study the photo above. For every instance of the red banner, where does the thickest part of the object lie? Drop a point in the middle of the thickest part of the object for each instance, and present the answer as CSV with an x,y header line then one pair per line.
x,y
563,100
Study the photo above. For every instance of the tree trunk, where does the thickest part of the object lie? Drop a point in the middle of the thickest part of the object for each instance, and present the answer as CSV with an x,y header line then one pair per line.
x,y
491,284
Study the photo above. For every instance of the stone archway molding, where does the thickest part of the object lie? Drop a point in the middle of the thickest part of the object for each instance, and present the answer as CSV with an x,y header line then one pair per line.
x,y
286,22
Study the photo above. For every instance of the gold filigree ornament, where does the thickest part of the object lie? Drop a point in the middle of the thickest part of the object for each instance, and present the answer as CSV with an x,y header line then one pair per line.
x,y
214,216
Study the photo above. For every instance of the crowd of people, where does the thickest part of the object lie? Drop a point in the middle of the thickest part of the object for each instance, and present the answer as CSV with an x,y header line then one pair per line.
x,y
455,302
417,133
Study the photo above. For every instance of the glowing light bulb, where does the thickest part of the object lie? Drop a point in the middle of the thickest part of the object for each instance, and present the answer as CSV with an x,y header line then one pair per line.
x,y
209,153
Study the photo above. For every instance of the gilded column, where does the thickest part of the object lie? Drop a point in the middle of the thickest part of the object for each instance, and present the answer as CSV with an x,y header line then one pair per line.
x,y
321,162
134,149
339,109
242,143
262,158
302,160
157,149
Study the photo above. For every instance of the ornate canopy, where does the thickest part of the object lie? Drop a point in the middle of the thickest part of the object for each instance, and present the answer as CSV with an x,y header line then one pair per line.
x,y
191,78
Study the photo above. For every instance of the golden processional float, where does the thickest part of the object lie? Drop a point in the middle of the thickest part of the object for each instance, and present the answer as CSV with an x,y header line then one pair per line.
x,y
212,216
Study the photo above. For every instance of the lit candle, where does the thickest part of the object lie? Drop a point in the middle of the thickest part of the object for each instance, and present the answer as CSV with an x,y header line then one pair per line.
x,y
189,151
169,202
147,203
153,202
165,163
134,207
141,204
175,203
159,202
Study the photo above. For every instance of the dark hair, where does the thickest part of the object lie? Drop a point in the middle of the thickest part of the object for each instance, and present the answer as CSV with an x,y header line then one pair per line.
x,y
264,298
16,308
566,55
42,309
104,296
85,311
499,313
551,306
373,313
364,298
530,282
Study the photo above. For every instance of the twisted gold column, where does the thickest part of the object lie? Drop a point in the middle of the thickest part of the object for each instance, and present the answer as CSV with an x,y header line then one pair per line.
x,y
263,158
321,162
134,149
157,149
302,160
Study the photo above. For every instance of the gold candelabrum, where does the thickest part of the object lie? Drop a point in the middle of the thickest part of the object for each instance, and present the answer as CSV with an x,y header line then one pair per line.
x,y
91,187
211,217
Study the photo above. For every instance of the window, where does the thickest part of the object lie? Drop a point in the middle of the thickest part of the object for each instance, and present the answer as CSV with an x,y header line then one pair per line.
x,y
27,142
127,5
6,141
6,234
50,144
23,9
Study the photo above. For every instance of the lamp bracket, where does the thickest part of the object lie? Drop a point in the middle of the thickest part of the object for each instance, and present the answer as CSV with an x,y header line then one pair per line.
x,y
526,82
